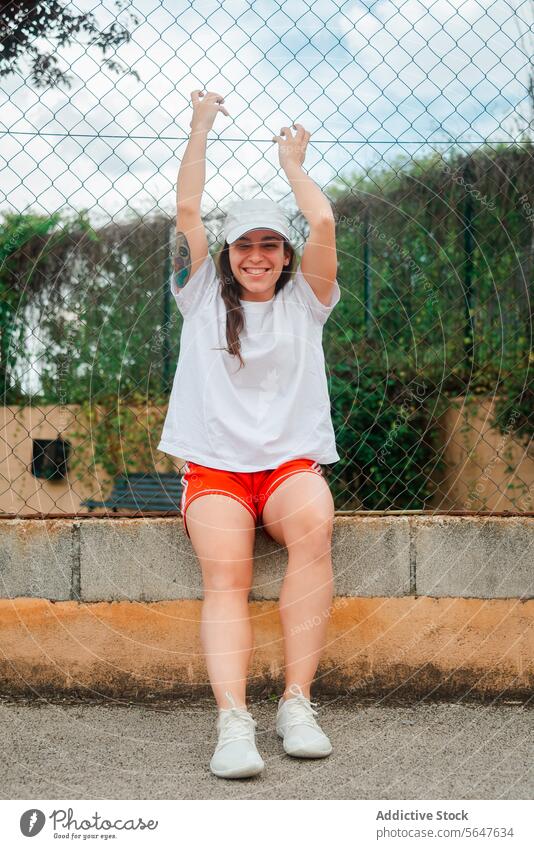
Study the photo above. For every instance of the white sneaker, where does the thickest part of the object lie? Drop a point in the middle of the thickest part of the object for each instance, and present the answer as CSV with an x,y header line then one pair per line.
x,y
296,725
236,755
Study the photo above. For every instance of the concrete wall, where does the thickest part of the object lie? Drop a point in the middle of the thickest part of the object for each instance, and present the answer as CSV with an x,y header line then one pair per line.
x,y
429,605
411,646
118,559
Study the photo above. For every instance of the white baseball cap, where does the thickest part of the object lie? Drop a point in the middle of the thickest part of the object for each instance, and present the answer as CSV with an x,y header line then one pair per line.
x,y
255,214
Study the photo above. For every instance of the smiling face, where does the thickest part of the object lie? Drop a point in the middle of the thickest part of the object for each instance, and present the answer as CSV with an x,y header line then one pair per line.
x,y
257,259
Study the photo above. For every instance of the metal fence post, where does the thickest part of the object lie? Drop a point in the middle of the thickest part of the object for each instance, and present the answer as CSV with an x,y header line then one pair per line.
x,y
366,274
468,267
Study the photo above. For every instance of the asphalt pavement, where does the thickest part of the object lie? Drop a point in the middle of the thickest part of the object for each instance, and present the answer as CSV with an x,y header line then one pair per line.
x,y
57,749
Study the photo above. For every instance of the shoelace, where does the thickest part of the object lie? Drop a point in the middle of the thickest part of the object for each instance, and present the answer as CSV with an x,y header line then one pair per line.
x,y
235,724
299,709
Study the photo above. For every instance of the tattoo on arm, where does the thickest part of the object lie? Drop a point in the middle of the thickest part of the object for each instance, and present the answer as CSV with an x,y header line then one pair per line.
x,y
182,260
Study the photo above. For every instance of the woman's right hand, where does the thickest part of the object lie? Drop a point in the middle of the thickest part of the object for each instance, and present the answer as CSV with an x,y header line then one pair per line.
x,y
205,108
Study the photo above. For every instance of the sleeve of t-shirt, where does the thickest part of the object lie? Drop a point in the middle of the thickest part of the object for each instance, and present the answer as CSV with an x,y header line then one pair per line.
x,y
305,294
198,289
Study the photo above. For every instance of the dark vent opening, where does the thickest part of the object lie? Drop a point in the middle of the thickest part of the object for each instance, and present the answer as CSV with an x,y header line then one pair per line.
x,y
50,458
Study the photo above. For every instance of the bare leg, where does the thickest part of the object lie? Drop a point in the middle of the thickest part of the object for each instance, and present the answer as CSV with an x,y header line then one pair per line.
x,y
222,533
300,514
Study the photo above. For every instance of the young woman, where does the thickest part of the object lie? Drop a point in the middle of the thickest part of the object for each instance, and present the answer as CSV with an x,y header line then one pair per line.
x,y
250,413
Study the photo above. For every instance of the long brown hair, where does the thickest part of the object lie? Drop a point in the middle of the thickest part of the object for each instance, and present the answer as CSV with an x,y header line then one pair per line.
x,y
230,289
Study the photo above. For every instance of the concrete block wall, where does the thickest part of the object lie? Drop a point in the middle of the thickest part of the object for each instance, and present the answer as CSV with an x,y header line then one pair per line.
x,y
423,605
124,559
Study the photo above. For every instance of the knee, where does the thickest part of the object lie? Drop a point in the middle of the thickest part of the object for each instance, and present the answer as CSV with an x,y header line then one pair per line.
x,y
225,576
311,529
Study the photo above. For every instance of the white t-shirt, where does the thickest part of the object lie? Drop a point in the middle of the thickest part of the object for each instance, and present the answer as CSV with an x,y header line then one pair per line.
x,y
274,409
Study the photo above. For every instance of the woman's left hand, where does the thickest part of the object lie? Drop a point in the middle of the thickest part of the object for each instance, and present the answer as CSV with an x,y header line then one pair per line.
x,y
292,148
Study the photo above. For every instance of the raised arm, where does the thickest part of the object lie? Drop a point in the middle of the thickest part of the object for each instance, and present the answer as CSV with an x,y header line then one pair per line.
x,y
191,241
319,257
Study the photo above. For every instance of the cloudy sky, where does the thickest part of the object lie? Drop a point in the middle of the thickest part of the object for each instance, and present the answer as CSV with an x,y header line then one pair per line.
x,y
369,80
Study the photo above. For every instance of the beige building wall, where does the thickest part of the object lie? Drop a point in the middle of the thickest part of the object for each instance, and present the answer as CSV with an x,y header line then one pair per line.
x,y
484,468
23,494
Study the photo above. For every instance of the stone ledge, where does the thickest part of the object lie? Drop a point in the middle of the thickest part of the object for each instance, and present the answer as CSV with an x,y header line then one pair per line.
x,y
471,557
151,559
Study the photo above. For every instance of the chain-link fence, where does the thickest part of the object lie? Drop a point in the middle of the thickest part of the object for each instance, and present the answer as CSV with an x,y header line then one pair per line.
x,y
421,122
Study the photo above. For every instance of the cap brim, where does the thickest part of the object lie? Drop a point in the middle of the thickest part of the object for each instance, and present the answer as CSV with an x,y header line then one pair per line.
x,y
236,232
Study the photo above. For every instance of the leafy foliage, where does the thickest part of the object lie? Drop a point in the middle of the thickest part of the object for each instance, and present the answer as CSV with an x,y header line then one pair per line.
x,y
28,245
385,435
24,22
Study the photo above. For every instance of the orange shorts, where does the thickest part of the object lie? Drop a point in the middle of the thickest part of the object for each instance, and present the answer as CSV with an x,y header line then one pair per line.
x,y
251,489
